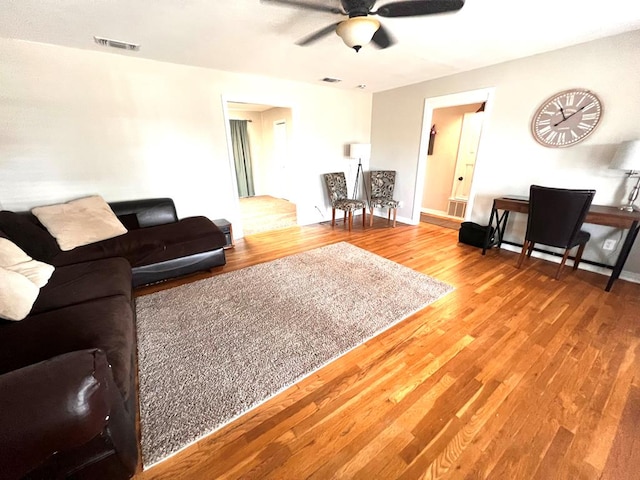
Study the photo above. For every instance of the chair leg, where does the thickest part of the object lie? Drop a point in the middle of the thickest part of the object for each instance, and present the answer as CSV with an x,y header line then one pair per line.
x,y
576,262
350,219
333,217
371,217
564,260
395,211
344,221
525,247
364,216
530,250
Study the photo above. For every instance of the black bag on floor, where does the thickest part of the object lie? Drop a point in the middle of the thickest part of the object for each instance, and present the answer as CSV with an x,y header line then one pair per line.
x,y
473,234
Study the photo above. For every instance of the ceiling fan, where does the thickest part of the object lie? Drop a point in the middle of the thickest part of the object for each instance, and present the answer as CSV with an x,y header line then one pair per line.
x,y
360,29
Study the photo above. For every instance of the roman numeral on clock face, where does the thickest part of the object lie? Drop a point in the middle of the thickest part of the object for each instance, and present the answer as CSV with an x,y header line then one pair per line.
x,y
562,137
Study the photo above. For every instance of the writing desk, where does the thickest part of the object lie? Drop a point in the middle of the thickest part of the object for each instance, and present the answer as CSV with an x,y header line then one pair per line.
x,y
609,216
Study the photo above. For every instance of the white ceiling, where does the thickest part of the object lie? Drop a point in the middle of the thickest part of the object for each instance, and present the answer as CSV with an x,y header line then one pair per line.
x,y
258,38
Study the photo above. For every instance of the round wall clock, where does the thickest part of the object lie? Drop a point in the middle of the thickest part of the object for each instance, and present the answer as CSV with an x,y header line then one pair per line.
x,y
566,118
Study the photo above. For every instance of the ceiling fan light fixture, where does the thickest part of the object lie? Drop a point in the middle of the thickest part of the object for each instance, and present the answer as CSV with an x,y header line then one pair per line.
x,y
356,32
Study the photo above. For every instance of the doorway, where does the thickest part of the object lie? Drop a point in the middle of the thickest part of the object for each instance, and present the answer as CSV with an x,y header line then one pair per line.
x,y
450,166
451,140
264,165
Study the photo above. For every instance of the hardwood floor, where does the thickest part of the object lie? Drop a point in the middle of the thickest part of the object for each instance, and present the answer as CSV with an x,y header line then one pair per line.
x,y
514,375
265,213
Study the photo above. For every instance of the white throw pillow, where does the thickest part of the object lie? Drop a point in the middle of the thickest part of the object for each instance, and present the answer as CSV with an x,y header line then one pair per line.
x,y
17,295
38,272
10,253
13,258
80,222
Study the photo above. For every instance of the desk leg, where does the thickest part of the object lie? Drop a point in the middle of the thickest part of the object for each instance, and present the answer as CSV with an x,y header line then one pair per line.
x,y
494,213
624,253
502,226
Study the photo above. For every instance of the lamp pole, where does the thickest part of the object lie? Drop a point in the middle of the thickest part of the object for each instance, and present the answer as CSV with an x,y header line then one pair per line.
x,y
633,195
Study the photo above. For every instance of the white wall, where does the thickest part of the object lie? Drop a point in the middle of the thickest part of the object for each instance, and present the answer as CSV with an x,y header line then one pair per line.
x,y
509,159
274,173
76,122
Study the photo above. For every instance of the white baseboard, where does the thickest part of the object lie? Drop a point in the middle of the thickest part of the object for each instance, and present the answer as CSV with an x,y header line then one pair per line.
x,y
430,211
624,275
382,213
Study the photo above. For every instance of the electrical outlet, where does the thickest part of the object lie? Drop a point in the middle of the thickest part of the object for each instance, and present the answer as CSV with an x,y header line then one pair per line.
x,y
609,244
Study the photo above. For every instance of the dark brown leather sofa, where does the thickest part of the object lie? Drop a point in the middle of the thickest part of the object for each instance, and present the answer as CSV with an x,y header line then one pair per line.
x,y
68,371
157,245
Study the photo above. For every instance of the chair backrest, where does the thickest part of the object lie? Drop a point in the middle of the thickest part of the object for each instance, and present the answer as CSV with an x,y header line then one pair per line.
x,y
336,186
556,214
382,183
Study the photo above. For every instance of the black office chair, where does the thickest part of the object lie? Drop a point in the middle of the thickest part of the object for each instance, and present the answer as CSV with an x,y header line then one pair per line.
x,y
555,218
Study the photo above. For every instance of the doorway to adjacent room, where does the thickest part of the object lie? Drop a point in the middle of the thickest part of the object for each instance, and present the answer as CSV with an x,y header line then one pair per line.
x,y
260,136
448,155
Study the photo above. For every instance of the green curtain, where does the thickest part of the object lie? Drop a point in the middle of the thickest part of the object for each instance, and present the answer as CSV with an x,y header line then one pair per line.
x,y
242,157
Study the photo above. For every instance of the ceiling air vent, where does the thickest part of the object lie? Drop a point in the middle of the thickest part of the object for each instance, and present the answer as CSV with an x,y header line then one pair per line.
x,y
331,80
107,42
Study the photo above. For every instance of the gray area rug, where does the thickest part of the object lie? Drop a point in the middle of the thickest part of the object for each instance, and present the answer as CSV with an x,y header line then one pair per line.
x,y
213,349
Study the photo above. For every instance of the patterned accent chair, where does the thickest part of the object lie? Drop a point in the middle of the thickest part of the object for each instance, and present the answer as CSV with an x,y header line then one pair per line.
x,y
382,185
337,189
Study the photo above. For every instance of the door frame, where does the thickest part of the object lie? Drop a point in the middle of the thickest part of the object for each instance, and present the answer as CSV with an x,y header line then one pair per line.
x,y
444,101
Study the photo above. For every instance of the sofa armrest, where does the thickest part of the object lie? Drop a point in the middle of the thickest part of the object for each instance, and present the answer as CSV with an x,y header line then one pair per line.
x,y
52,406
145,212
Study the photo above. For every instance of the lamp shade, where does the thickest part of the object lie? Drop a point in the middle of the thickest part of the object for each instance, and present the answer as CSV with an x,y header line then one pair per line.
x,y
627,156
360,150
357,31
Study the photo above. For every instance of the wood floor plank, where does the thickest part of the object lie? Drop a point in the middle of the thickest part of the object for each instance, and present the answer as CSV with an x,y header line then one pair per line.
x,y
513,375
624,456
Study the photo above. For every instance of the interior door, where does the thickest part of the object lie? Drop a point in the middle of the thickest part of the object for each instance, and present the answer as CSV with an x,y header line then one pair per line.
x,y
467,152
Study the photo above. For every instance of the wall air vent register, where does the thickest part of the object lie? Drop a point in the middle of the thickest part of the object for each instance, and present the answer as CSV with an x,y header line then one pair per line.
x,y
107,42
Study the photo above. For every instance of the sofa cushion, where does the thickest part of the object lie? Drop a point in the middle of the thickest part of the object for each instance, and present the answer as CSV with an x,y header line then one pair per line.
x,y
17,294
105,323
150,245
80,222
81,282
25,230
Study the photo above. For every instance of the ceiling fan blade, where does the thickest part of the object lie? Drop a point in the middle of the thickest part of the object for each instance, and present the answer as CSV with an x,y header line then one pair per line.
x,y
317,35
382,38
418,7
305,6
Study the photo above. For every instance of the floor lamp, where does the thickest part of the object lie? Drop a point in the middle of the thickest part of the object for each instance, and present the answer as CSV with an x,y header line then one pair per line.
x,y
360,151
627,158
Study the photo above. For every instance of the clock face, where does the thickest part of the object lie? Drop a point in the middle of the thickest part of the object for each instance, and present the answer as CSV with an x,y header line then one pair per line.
x,y
566,118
